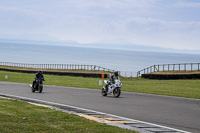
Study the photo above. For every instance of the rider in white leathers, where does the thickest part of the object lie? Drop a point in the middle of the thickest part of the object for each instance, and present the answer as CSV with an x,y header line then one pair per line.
x,y
112,79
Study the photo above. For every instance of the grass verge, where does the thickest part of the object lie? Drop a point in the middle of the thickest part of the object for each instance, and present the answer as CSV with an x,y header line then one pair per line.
x,y
22,117
179,88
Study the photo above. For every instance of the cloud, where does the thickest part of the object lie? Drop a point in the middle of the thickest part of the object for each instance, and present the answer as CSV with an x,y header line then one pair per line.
x,y
23,11
157,32
17,20
187,4
150,22
111,3
141,24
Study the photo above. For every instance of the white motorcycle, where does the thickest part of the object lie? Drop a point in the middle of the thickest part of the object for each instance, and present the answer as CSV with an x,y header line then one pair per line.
x,y
113,89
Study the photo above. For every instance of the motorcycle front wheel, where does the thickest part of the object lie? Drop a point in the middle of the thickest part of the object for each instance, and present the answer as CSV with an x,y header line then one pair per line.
x,y
103,92
116,92
33,87
40,89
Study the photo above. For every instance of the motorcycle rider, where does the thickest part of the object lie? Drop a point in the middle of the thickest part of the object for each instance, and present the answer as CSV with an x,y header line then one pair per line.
x,y
112,79
38,75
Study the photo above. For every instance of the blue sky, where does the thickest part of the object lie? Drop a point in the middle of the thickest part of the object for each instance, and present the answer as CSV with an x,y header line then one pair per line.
x,y
163,23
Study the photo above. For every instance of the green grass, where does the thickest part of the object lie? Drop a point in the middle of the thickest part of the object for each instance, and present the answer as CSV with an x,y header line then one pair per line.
x,y
22,117
180,88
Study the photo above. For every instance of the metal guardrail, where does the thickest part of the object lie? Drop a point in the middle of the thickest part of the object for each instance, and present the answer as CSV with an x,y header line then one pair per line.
x,y
170,67
67,67
82,74
127,74
57,66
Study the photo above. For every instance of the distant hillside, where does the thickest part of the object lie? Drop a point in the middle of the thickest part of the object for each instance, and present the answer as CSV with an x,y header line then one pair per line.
x,y
105,45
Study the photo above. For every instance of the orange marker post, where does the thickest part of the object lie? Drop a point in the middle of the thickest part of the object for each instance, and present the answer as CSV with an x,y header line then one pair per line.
x,y
102,76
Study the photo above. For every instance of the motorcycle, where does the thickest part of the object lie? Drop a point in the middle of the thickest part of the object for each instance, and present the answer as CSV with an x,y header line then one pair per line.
x,y
38,85
112,89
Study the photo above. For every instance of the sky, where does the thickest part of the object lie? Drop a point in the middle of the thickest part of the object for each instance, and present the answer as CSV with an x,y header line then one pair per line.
x,y
163,23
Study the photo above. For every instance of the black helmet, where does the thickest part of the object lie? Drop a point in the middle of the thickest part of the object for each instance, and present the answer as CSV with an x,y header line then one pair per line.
x,y
40,72
116,73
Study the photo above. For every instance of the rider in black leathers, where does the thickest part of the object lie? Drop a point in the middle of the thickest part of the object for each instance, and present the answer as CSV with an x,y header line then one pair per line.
x,y
38,75
112,79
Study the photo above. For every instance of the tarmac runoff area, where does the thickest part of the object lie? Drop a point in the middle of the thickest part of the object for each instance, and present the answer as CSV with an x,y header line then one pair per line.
x,y
109,119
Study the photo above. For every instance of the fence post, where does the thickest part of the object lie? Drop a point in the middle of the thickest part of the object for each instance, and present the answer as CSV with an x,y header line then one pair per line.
x,y
185,67
191,66
168,67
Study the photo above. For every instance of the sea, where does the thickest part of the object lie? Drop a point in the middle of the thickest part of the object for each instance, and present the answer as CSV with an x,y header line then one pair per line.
x,y
125,61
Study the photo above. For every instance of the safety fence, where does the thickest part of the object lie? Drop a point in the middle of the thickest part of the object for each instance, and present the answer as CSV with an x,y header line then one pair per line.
x,y
57,66
67,67
127,74
170,67
85,74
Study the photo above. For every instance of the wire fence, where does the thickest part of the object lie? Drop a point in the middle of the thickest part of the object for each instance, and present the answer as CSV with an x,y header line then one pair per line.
x,y
170,67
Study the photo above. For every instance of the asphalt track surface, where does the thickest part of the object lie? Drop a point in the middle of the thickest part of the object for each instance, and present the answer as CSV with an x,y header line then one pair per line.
x,y
174,112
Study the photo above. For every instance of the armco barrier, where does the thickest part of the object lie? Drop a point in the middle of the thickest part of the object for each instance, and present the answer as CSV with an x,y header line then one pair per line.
x,y
171,76
82,74
170,67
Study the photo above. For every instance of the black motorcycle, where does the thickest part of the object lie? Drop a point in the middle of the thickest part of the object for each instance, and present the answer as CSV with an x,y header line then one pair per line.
x,y
38,85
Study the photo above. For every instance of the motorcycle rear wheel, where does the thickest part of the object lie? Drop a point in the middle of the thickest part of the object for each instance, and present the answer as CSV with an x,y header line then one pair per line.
x,y
116,92
103,92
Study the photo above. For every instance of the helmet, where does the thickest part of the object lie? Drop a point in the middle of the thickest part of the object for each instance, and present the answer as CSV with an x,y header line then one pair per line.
x,y
40,72
116,73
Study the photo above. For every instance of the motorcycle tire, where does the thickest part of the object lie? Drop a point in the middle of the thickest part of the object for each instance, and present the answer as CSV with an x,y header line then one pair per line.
x,y
33,87
40,89
116,92
103,92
